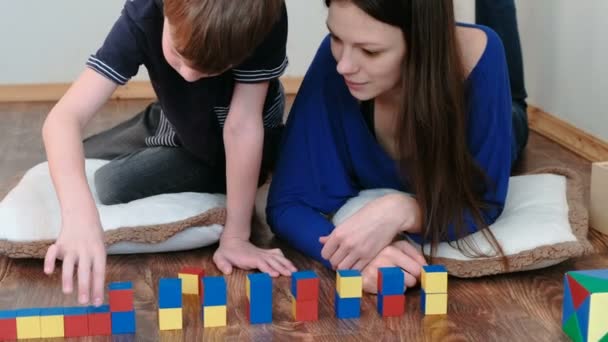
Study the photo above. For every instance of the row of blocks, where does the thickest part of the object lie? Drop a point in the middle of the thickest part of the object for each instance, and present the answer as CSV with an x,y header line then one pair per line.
x,y
116,318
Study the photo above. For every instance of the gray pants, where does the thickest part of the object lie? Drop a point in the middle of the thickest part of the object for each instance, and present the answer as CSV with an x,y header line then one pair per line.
x,y
137,170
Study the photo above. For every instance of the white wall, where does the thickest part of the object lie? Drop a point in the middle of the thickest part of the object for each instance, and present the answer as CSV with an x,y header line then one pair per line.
x,y
565,46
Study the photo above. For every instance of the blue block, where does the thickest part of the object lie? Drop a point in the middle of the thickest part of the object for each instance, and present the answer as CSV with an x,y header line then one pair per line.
x,y
347,307
299,276
434,269
28,312
51,312
125,285
392,281
169,293
583,317
123,322
349,273
260,303
75,311
260,314
96,310
215,291
8,314
567,304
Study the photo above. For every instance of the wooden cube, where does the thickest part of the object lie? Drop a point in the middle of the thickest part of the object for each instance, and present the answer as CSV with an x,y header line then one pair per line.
x,y
599,197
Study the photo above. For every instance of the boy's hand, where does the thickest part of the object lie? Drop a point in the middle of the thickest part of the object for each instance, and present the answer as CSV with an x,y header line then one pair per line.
x,y
238,252
82,245
398,254
354,243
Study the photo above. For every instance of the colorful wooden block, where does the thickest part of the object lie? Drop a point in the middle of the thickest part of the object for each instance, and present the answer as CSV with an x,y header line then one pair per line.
x,y
214,316
76,321
305,286
214,291
390,305
598,215
433,303
121,297
51,322
304,310
585,305
8,325
434,279
259,298
170,319
347,308
191,279
349,284
123,322
99,321
169,293
391,281
28,323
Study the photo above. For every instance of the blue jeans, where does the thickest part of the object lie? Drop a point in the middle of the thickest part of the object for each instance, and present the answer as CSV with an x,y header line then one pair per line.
x,y
501,16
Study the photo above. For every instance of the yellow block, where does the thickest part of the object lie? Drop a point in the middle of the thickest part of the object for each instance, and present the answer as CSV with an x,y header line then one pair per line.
x,y
51,326
214,316
434,282
436,304
248,288
170,319
598,313
28,327
189,283
349,287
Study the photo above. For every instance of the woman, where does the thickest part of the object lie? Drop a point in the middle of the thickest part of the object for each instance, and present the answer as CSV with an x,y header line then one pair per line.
x,y
398,96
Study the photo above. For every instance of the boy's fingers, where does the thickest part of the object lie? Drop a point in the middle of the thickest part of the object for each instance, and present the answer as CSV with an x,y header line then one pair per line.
x,y
68,273
348,262
265,267
222,264
99,274
279,264
84,279
338,257
49,259
330,247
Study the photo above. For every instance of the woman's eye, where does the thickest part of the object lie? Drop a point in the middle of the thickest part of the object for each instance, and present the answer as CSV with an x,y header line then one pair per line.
x,y
371,53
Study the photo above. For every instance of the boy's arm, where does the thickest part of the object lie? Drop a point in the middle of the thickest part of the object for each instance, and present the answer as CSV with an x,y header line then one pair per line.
x,y
243,140
81,238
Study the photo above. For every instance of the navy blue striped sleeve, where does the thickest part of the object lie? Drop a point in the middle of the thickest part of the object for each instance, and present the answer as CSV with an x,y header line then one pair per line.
x,y
269,60
120,56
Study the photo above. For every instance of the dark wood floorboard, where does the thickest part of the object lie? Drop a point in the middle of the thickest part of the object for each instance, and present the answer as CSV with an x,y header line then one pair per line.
x,y
515,307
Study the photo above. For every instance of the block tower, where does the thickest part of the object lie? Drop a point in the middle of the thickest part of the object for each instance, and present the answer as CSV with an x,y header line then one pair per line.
x,y
100,321
213,301
585,307
434,294
349,290
305,296
259,298
170,313
76,321
391,289
122,310
191,280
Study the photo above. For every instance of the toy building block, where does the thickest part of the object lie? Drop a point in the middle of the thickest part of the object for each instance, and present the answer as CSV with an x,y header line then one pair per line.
x,y
305,296
28,323
8,325
391,288
191,279
214,301
598,215
169,293
51,322
121,297
434,279
434,303
349,290
259,298
123,322
585,305
100,320
170,319
76,321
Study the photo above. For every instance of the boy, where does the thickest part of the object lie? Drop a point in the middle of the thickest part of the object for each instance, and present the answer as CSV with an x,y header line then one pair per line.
x,y
214,66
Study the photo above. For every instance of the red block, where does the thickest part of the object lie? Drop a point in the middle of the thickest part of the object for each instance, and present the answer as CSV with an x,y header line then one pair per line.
x,y
307,310
100,324
199,272
393,306
8,329
308,289
76,326
121,300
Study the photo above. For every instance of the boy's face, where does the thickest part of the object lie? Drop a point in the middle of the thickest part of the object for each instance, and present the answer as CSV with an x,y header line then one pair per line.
x,y
181,65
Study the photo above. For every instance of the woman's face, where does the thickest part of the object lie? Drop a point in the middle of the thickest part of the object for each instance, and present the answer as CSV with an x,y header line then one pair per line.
x,y
369,52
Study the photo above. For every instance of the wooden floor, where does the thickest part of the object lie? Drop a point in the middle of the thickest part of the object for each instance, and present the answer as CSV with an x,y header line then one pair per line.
x,y
516,307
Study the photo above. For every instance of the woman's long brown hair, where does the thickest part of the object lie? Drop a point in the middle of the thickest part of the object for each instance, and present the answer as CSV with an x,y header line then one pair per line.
x,y
432,122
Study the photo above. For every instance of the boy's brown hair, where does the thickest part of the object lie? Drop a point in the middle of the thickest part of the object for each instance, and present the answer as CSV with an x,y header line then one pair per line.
x,y
214,35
